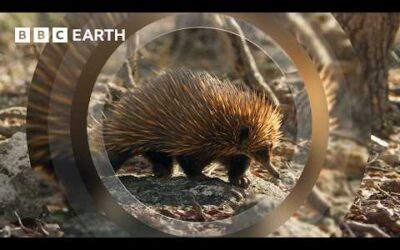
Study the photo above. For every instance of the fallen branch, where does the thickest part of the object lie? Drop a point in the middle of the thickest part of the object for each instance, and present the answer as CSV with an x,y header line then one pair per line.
x,y
317,200
245,61
373,229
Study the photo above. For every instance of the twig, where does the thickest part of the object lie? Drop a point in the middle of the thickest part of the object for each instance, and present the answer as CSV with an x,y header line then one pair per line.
x,y
394,193
23,227
378,168
388,194
379,141
376,156
369,228
349,230
133,60
318,201
211,169
395,56
246,60
135,70
197,207
129,75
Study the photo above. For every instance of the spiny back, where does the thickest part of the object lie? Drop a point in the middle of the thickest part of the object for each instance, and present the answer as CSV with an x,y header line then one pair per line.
x,y
184,112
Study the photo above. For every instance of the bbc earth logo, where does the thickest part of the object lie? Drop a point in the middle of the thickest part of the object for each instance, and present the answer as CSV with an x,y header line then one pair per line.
x,y
62,35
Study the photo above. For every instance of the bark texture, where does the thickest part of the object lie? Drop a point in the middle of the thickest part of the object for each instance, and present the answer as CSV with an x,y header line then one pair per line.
x,y
372,36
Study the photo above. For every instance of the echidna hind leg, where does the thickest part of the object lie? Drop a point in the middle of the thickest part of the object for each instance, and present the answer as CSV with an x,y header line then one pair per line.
x,y
237,166
193,166
118,159
162,163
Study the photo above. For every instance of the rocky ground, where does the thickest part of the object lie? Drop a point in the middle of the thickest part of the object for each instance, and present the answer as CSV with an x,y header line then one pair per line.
x,y
206,201
31,205
376,210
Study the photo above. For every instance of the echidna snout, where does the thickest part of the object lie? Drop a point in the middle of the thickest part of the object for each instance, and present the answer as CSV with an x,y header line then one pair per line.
x,y
263,157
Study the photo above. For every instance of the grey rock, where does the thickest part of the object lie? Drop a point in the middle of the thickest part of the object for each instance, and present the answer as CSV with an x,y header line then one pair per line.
x,y
13,155
22,191
179,191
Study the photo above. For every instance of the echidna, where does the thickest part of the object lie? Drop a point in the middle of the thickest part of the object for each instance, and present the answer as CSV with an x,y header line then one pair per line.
x,y
197,119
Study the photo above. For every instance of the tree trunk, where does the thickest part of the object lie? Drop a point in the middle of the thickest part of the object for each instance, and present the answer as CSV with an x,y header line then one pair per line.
x,y
372,36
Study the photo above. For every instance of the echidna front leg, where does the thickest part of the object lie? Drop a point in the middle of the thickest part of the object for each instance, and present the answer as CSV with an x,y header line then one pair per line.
x,y
193,166
162,163
237,166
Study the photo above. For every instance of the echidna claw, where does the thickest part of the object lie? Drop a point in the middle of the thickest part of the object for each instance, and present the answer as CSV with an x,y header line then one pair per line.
x,y
272,170
243,182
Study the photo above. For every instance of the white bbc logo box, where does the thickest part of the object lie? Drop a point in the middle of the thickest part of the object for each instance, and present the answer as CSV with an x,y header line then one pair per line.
x,y
40,35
